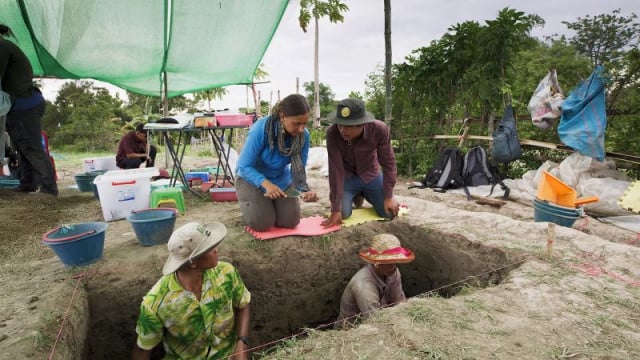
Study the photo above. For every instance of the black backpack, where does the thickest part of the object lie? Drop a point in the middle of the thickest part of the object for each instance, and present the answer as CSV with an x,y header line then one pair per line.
x,y
477,170
446,173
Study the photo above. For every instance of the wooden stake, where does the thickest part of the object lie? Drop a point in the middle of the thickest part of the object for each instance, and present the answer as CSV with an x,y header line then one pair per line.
x,y
465,132
551,235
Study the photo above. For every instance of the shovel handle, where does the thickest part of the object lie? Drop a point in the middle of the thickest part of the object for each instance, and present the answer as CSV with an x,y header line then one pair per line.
x,y
587,200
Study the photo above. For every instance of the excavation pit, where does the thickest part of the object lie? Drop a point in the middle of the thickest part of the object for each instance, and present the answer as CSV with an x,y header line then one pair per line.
x,y
296,283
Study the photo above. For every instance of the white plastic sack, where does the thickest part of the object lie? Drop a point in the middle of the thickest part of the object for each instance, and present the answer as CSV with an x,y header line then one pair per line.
x,y
608,191
318,160
545,104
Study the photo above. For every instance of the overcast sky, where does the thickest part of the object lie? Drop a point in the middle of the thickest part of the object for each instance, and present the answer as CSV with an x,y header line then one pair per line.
x,y
349,51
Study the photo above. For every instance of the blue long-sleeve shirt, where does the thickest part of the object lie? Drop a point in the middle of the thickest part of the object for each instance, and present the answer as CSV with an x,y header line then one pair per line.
x,y
258,161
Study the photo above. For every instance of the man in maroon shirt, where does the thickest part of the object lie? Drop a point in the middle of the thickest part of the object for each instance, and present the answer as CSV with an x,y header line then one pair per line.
x,y
358,145
132,150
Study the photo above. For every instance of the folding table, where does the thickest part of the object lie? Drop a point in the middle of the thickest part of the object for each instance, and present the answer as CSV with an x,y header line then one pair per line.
x,y
177,144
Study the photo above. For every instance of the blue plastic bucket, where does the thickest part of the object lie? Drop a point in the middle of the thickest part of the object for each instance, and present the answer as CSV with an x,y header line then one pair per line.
x,y
85,180
94,187
557,216
8,182
153,226
77,244
557,208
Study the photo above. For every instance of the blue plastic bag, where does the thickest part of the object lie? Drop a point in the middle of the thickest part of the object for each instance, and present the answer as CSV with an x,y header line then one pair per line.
x,y
584,117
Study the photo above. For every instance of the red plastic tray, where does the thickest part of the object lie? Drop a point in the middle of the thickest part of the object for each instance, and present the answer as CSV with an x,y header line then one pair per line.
x,y
234,120
223,194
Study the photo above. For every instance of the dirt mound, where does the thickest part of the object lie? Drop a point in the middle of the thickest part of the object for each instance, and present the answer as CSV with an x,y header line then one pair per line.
x,y
481,285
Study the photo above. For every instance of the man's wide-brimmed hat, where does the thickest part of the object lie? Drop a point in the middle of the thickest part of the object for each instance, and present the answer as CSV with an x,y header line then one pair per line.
x,y
386,249
191,240
350,112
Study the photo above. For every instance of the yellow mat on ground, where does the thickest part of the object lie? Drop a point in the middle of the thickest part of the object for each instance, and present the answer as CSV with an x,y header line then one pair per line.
x,y
630,200
364,215
361,216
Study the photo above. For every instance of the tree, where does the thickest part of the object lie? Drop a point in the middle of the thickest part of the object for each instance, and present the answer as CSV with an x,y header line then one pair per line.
x,y
259,74
605,37
355,95
210,94
143,105
610,40
86,117
317,9
325,96
374,92
388,116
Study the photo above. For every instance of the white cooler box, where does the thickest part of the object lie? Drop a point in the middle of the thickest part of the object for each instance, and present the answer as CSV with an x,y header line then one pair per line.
x,y
123,191
100,163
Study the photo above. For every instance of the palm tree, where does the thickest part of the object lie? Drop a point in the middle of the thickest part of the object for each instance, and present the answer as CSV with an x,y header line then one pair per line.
x,y
259,74
332,9
387,62
210,94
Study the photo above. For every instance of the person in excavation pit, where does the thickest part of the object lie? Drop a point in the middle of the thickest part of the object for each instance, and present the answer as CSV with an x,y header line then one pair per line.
x,y
199,309
376,285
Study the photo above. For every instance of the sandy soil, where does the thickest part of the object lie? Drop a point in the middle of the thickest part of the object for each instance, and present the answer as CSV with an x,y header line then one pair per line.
x,y
482,286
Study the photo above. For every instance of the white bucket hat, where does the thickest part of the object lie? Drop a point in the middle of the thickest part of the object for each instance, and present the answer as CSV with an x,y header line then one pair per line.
x,y
191,240
386,249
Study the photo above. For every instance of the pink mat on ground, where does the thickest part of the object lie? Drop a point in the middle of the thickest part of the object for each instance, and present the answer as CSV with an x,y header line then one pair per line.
x,y
309,226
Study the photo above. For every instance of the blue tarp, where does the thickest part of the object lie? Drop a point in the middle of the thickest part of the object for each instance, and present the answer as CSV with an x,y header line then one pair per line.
x,y
584,118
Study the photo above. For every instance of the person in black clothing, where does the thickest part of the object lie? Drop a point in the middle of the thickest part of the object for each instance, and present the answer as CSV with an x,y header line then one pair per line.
x,y
23,119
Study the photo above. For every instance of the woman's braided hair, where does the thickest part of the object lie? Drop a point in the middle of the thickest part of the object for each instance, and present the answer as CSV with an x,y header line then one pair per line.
x,y
292,105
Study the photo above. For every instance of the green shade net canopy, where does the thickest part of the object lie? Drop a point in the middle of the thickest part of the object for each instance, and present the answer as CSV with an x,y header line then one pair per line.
x,y
141,45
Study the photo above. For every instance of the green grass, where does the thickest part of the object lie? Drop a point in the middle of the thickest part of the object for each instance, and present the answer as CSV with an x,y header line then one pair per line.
x,y
282,346
323,242
475,305
461,322
421,314
43,338
431,353
562,353
259,246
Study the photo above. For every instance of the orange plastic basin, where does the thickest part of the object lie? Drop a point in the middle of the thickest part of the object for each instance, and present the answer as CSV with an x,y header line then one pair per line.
x,y
556,191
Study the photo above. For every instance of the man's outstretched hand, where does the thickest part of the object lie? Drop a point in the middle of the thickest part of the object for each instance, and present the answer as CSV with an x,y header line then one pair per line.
x,y
392,206
334,219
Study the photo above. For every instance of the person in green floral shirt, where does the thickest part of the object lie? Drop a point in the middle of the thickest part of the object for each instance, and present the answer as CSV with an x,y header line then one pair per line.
x,y
199,309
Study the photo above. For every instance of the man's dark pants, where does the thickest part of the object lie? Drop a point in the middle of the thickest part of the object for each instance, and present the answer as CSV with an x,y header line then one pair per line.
x,y
136,162
25,131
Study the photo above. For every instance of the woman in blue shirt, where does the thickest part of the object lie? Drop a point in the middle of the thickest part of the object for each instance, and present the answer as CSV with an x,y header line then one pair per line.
x,y
272,164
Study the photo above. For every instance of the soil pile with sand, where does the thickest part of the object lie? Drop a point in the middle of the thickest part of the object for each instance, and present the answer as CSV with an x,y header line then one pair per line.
x,y
483,284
